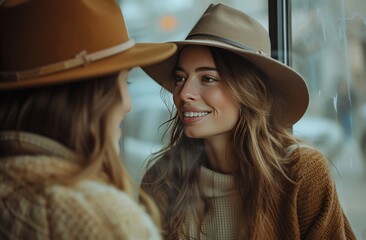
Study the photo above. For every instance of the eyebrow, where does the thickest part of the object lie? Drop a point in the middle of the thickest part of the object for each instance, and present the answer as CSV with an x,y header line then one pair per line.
x,y
200,69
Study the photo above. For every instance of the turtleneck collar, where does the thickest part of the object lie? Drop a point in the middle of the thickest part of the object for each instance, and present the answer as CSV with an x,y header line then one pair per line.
x,y
217,184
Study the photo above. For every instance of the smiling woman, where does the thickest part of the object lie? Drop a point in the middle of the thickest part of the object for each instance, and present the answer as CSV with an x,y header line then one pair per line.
x,y
232,168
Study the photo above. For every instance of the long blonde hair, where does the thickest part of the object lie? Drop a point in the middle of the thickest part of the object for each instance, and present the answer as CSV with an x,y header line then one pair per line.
x,y
259,143
76,115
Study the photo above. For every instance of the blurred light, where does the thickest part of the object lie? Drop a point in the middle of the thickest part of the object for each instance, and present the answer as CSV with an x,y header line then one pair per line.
x,y
168,23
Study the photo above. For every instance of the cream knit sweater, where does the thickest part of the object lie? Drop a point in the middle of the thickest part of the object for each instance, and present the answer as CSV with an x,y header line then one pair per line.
x,y
90,209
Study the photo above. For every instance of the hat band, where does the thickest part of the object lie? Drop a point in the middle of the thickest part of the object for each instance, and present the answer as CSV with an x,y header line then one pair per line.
x,y
81,59
223,40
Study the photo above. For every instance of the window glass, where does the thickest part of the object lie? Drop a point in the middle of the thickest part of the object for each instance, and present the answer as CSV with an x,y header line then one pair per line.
x,y
329,50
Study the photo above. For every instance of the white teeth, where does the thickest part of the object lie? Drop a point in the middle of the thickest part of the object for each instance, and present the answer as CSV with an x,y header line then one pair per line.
x,y
194,114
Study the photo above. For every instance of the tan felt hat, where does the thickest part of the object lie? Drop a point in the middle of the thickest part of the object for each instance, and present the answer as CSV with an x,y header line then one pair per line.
x,y
46,42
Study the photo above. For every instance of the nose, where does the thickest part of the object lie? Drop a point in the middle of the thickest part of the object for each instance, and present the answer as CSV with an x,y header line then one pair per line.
x,y
189,91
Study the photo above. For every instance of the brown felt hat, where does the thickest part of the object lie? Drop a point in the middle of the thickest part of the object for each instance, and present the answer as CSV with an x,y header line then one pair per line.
x,y
46,42
227,28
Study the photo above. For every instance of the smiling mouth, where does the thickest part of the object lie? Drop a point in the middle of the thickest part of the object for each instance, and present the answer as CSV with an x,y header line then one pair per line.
x,y
194,114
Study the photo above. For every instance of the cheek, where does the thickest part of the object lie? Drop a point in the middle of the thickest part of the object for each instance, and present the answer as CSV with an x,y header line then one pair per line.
x,y
117,115
218,98
176,100
225,102
126,102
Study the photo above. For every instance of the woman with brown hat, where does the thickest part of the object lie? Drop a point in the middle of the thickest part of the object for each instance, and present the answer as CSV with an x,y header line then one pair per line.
x,y
233,169
63,92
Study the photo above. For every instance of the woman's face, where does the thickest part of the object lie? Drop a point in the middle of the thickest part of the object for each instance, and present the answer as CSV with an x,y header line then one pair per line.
x,y
122,108
203,102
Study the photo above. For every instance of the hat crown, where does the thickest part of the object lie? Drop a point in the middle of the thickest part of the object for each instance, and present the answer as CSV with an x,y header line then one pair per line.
x,y
233,25
35,33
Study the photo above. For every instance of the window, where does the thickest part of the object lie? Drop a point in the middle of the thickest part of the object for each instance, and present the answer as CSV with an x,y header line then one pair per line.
x,y
328,47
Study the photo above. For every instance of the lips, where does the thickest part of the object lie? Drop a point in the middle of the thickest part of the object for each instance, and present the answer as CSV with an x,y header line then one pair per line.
x,y
192,114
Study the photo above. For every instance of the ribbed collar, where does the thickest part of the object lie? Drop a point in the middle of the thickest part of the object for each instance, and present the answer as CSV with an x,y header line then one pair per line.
x,y
217,184
18,143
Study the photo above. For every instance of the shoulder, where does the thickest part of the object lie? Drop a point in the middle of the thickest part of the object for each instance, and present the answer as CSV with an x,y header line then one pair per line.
x,y
315,185
85,210
88,209
318,209
99,210
310,165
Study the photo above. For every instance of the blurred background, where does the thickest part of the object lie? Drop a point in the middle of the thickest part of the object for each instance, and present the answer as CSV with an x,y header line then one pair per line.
x,y
328,49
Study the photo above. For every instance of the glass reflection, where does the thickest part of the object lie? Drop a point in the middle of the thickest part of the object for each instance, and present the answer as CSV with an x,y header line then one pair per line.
x,y
329,49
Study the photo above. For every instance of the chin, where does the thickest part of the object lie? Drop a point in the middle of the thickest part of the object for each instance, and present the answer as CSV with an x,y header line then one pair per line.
x,y
194,134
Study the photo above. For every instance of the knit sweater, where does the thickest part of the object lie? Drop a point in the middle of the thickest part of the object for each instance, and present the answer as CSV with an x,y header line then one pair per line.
x,y
226,220
310,208
88,209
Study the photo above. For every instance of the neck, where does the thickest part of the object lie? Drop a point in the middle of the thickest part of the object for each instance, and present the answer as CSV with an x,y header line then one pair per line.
x,y
219,155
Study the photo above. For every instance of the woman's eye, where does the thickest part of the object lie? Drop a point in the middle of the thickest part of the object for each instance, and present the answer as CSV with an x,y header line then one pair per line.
x,y
179,79
209,79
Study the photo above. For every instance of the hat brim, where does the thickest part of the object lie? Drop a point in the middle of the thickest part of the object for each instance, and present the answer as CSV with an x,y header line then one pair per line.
x,y
292,88
142,54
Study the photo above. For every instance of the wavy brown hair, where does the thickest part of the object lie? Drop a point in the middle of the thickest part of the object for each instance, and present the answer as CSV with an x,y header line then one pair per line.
x,y
76,115
259,143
